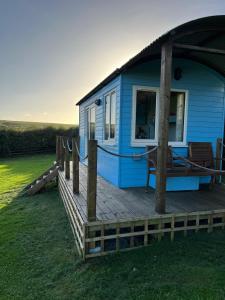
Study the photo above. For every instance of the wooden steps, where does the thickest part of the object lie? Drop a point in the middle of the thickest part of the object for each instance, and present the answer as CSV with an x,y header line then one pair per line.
x,y
42,180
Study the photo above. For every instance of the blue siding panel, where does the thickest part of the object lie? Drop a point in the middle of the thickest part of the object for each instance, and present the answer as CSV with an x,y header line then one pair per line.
x,y
205,114
108,167
205,120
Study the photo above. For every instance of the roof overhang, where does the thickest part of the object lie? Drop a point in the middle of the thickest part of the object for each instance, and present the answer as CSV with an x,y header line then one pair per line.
x,y
208,32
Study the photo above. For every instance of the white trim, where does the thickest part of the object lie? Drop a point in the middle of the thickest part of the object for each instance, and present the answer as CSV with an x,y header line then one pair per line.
x,y
109,141
144,142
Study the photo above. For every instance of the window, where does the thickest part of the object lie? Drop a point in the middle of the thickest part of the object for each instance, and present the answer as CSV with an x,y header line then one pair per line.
x,y
92,123
176,117
145,116
110,116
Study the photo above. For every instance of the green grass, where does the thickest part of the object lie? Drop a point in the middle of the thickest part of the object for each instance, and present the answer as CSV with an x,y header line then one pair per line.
x,y
27,126
15,172
38,259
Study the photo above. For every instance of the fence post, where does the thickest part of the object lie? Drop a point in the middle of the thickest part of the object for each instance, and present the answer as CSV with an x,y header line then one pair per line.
x,y
218,157
92,180
57,148
62,153
67,162
75,159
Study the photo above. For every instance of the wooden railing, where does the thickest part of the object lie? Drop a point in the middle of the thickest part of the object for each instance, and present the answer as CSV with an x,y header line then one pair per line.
x,y
64,155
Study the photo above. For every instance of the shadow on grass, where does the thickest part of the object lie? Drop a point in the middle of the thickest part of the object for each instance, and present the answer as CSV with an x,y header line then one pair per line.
x,y
38,260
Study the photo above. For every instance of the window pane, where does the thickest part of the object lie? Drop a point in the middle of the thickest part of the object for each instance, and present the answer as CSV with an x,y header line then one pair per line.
x,y
92,123
176,118
113,115
107,116
145,115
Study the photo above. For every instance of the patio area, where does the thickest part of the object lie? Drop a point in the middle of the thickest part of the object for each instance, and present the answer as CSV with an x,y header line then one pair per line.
x,y
116,204
126,218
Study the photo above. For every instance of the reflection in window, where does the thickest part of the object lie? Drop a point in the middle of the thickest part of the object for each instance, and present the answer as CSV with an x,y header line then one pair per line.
x,y
176,117
110,116
92,123
145,115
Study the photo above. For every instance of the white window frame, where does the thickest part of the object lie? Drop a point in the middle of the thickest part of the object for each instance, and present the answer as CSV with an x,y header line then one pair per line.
x,y
109,141
143,142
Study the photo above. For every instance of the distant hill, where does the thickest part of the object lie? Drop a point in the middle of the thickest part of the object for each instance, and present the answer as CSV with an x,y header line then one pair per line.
x,y
28,126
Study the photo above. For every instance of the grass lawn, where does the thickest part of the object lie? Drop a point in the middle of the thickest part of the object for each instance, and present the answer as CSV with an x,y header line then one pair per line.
x,y
38,259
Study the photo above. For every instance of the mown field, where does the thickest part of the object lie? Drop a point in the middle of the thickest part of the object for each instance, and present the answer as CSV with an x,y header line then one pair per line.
x,y
28,126
38,259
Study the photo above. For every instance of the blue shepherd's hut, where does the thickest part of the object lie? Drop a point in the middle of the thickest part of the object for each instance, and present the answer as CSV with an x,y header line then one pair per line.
x,y
171,93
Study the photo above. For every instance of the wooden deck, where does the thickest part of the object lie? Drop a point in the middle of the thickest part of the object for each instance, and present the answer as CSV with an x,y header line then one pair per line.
x,y
115,204
126,218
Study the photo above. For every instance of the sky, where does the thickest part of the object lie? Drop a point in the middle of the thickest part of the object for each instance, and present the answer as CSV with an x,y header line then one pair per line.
x,y
53,52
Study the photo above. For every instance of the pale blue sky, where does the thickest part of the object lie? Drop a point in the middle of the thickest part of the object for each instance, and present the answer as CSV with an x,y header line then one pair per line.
x,y
52,52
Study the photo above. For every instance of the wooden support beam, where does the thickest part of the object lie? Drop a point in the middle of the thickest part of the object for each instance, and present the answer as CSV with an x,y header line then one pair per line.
x,y
199,49
62,154
67,162
57,148
219,151
92,180
165,84
75,159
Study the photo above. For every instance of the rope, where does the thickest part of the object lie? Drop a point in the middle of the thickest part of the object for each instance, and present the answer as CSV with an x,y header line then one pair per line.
x,y
63,143
78,152
197,165
68,146
222,144
126,155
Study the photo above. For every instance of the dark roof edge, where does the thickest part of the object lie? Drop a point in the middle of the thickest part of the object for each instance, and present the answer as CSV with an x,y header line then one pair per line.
x,y
151,46
103,83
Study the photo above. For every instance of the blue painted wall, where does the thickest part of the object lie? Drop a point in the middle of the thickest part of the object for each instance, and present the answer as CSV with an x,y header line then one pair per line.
x,y
205,111
108,167
205,116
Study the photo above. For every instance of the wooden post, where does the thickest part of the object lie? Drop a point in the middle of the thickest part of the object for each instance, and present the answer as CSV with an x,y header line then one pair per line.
x,y
164,107
92,180
67,162
219,152
75,159
57,148
62,153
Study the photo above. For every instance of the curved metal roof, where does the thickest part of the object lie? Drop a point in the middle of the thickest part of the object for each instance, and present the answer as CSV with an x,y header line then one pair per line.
x,y
205,32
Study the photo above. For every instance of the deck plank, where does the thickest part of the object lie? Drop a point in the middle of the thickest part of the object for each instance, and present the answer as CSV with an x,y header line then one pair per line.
x,y
114,203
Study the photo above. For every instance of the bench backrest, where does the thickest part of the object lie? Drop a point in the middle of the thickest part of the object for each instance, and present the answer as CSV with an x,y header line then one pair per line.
x,y
152,158
201,153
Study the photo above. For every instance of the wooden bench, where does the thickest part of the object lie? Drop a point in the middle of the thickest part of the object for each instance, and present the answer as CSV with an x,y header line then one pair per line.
x,y
199,153
173,169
